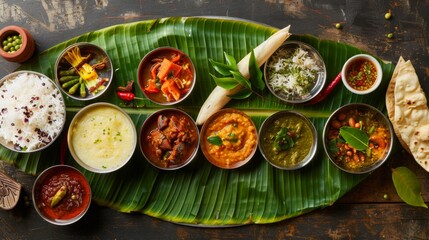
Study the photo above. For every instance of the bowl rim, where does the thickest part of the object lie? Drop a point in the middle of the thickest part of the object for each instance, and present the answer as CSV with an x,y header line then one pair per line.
x,y
203,143
319,83
150,119
14,74
377,66
364,106
46,173
77,117
83,44
143,62
313,150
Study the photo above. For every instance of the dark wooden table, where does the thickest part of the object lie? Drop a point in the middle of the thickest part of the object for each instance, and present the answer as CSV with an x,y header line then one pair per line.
x,y
364,213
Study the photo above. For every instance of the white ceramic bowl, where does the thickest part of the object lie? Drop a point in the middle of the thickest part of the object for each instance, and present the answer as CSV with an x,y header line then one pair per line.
x,y
353,60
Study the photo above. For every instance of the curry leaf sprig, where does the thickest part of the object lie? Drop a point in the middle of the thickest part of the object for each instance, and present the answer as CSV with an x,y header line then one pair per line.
x,y
232,78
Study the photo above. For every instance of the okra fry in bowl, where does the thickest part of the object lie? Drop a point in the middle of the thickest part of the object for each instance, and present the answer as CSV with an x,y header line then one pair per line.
x,y
83,71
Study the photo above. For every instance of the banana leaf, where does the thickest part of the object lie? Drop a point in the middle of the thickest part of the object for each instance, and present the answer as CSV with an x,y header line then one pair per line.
x,y
202,194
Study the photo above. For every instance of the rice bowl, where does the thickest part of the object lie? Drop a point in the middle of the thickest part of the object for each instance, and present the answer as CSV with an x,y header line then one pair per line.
x,y
32,111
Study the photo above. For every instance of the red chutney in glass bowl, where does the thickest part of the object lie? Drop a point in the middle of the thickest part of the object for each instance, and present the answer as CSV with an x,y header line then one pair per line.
x,y
61,195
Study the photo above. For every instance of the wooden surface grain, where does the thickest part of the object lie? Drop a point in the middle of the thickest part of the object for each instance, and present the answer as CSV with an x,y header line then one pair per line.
x,y
363,213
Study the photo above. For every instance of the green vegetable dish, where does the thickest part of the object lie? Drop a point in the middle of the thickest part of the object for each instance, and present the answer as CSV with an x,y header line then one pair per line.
x,y
287,139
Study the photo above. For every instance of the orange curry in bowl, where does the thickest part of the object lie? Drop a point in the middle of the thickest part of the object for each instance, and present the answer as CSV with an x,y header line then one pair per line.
x,y
229,138
166,75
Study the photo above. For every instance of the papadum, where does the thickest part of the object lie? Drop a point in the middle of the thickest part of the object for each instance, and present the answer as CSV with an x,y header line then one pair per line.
x,y
408,111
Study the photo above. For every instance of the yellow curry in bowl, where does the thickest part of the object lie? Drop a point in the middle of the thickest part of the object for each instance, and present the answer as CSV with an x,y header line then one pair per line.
x,y
229,139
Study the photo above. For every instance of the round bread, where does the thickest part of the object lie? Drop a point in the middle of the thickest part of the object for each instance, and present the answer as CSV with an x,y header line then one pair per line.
x,y
410,114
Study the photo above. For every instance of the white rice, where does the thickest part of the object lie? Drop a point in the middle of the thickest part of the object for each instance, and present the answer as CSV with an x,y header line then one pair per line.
x,y
32,111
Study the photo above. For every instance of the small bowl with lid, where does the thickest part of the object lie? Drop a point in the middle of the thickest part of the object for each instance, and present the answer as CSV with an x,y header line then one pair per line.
x,y
295,72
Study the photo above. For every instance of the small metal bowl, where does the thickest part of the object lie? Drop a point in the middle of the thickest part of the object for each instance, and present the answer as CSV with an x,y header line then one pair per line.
x,y
295,92
290,158
375,125
144,74
44,108
26,49
102,137
158,126
72,206
228,134
96,55
351,62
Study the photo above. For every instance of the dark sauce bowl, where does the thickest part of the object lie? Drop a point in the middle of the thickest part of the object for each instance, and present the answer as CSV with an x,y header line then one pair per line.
x,y
78,195
157,133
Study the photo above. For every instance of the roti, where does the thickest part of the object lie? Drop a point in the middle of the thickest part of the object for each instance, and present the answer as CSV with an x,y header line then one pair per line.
x,y
407,109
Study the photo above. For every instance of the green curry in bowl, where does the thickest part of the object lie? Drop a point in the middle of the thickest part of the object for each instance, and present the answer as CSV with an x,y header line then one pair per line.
x,y
288,140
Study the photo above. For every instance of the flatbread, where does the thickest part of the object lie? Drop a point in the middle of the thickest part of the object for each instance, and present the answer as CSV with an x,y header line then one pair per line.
x,y
390,102
410,113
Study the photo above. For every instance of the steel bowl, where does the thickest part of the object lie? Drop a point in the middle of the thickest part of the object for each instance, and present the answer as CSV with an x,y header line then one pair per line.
x,y
102,137
72,205
311,89
152,124
361,114
277,122
146,66
225,159
96,55
32,120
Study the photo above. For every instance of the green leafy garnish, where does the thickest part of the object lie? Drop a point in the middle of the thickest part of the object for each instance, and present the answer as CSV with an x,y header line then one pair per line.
x,y
283,140
232,78
232,137
215,140
408,187
355,137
